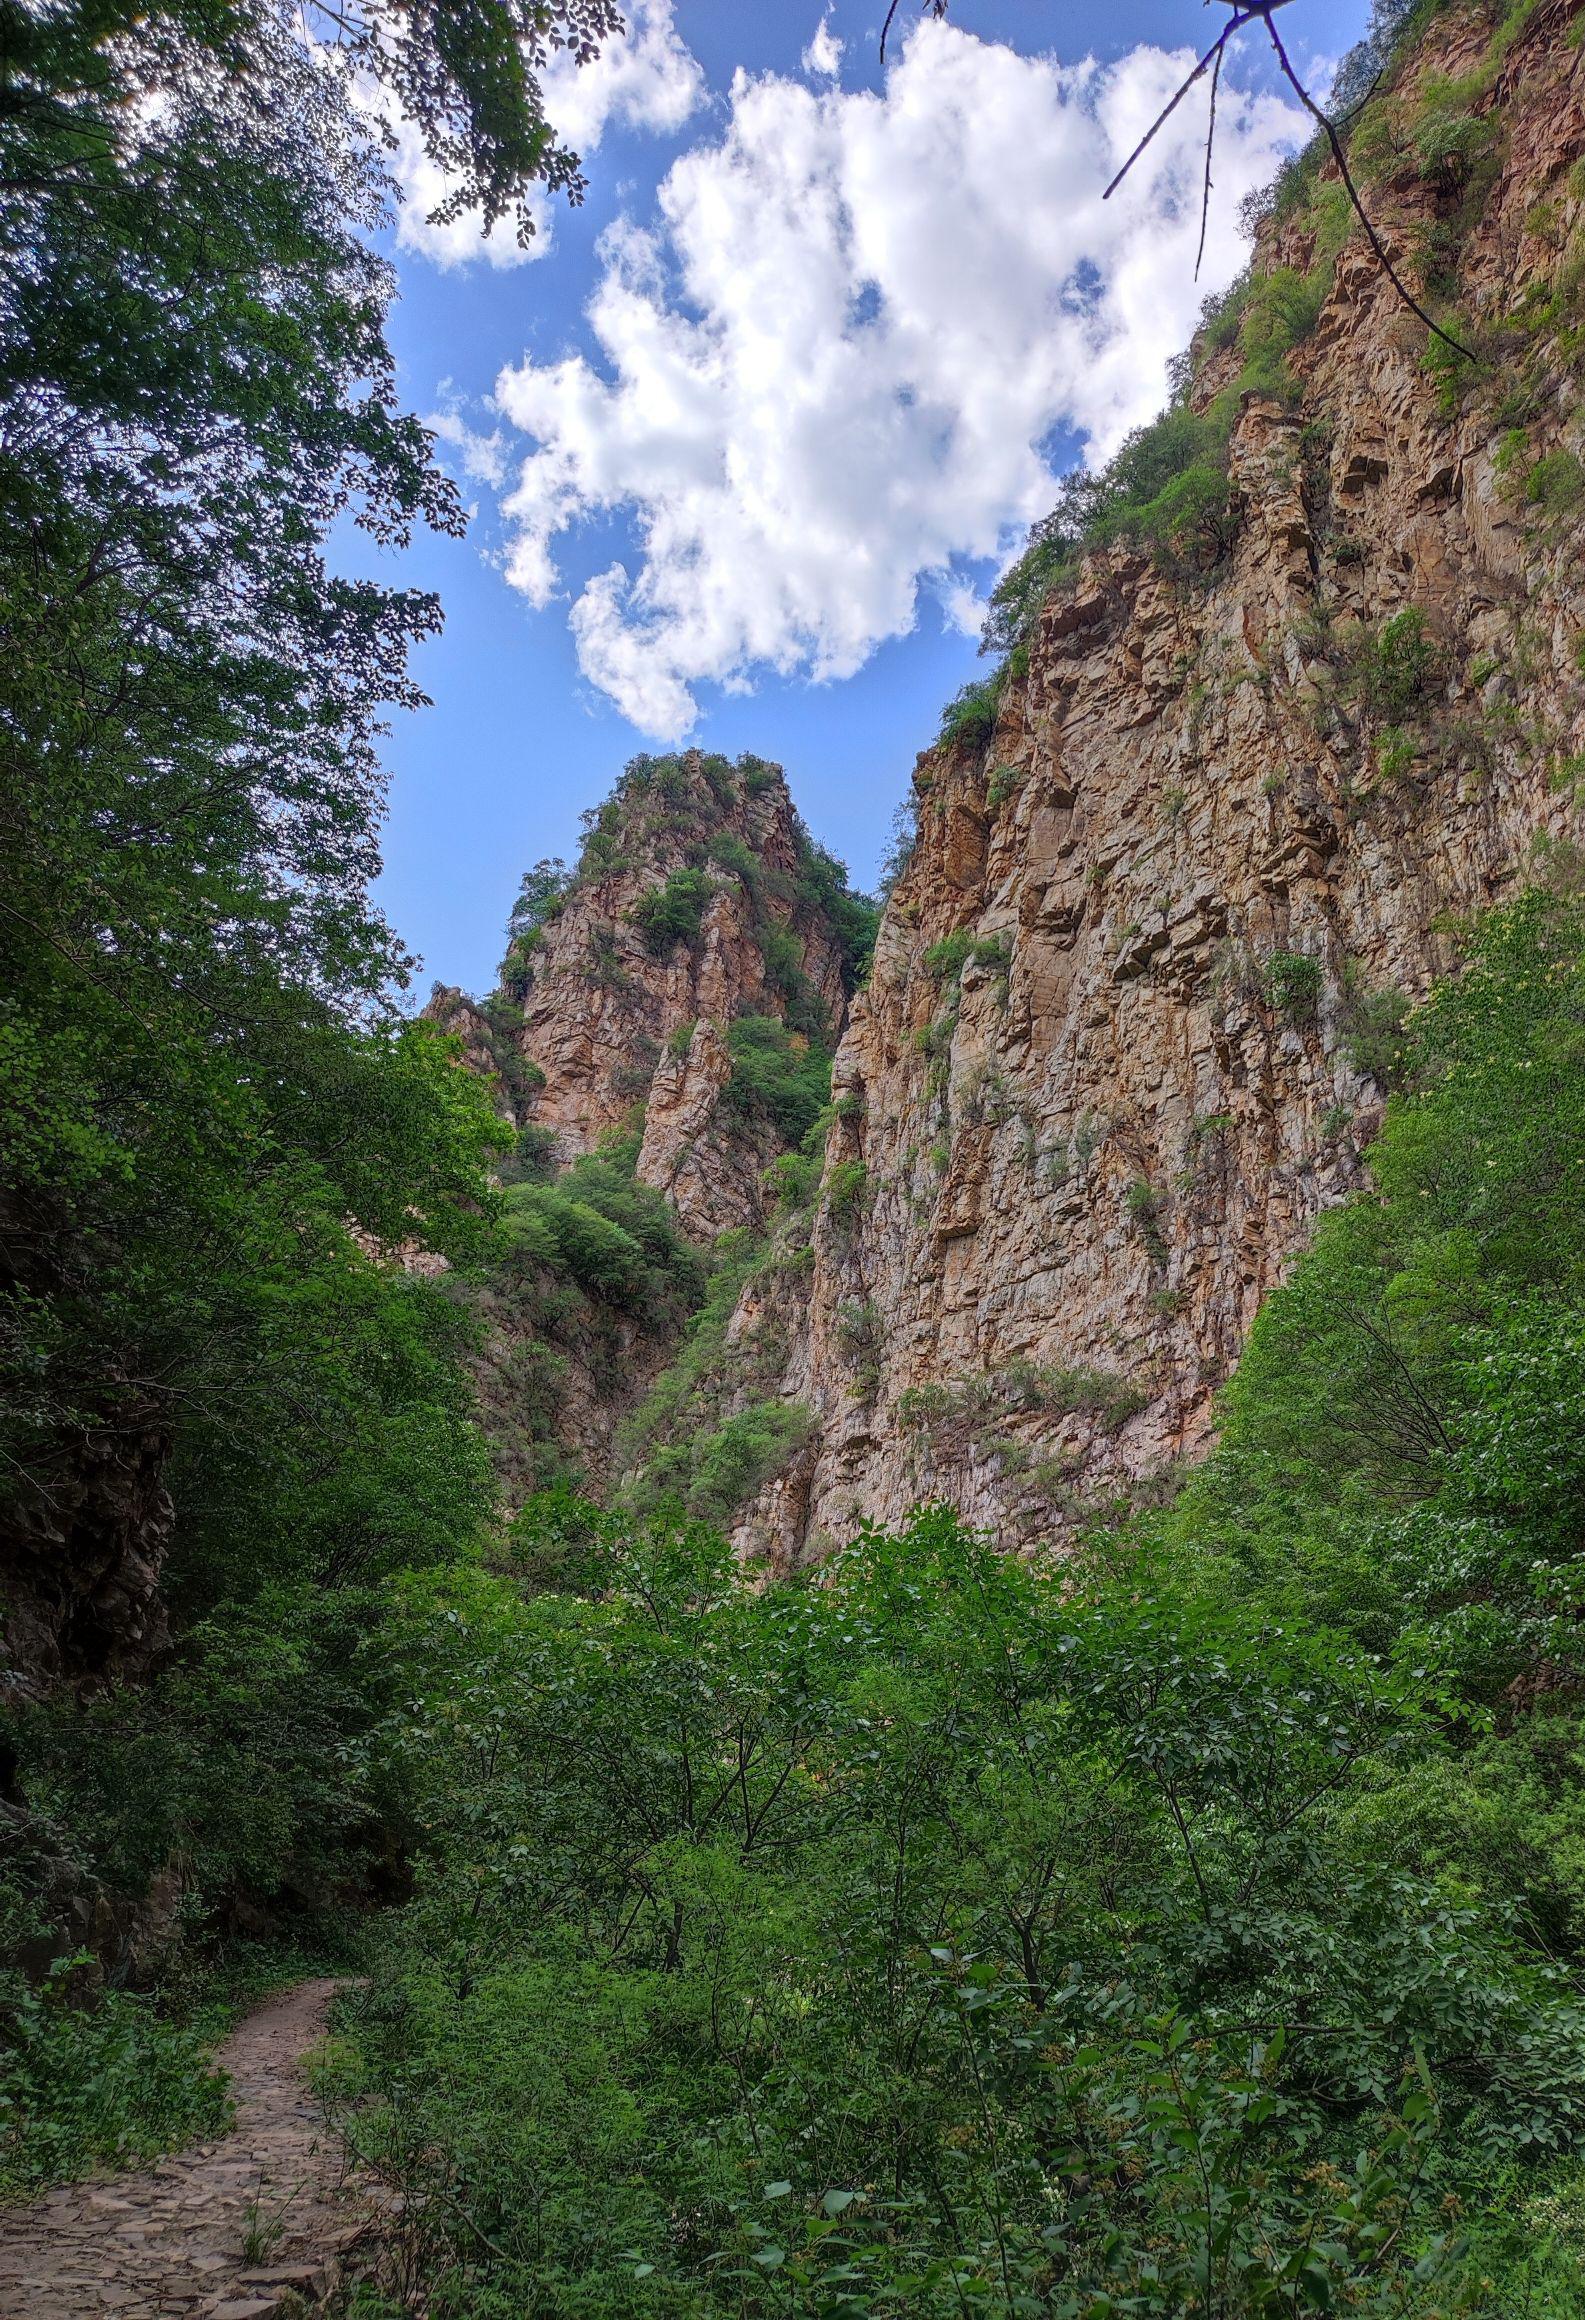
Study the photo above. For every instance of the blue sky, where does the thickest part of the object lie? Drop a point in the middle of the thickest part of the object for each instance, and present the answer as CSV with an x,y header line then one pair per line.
x,y
835,358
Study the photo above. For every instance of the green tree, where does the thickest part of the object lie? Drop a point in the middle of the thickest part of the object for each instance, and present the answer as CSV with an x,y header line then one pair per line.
x,y
225,1406
207,1076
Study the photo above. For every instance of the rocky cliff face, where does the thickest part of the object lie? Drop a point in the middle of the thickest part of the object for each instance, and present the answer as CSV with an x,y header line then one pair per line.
x,y
693,905
674,999
1129,1024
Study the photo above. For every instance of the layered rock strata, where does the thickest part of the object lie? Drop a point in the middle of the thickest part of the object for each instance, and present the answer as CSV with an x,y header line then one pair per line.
x,y
1128,1028
614,1027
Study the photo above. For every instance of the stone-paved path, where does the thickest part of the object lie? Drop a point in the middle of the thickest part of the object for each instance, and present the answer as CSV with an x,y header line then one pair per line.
x,y
171,2244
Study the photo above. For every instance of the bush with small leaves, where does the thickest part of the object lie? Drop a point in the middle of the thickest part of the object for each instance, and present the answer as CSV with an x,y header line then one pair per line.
x,y
779,1077
970,716
1293,982
1399,666
673,913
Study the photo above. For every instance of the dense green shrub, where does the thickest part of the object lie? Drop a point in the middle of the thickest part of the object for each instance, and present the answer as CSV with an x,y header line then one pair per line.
x,y
532,1159
822,885
712,1475
1165,490
1434,1322
970,716
1373,1029
683,1400
792,1180
847,1193
100,2086
540,899
1556,484
778,1076
944,960
229,1766
1450,143
932,1938
1293,982
1399,665
728,853
1280,309
673,913
615,1239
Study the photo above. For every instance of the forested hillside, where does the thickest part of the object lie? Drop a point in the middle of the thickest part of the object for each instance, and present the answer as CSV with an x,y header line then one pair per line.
x,y
914,1618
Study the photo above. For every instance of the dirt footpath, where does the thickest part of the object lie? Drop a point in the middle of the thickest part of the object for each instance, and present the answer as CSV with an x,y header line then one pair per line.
x,y
228,2230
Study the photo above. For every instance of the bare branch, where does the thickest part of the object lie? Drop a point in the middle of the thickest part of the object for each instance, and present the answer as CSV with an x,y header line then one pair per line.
x,y
1355,110
1341,158
1212,55
1210,140
1247,12
937,8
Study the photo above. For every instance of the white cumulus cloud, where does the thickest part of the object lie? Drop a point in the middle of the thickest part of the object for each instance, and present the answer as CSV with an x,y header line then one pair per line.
x,y
824,53
826,374
482,458
645,78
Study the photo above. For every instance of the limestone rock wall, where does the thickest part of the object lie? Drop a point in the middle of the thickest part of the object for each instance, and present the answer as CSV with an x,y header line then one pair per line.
x,y
609,1030
1062,1180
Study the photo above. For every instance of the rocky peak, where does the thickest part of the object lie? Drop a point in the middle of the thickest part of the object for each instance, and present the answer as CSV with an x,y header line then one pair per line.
x,y
698,903
1293,686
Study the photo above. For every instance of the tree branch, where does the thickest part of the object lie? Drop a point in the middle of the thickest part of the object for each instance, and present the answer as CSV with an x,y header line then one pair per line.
x,y
1210,140
1248,12
1339,156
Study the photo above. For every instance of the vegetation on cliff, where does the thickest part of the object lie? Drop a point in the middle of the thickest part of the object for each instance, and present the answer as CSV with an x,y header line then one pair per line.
x,y
702,821
1165,492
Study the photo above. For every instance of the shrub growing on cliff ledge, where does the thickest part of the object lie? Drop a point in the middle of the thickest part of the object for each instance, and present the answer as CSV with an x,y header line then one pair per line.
x,y
780,1077
970,716
610,1236
1399,665
713,1474
1165,490
540,900
673,913
1293,983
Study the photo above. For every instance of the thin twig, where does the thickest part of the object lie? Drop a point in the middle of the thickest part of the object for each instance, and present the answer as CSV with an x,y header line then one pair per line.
x,y
1234,24
1339,156
937,8
1355,110
1210,140
1246,12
